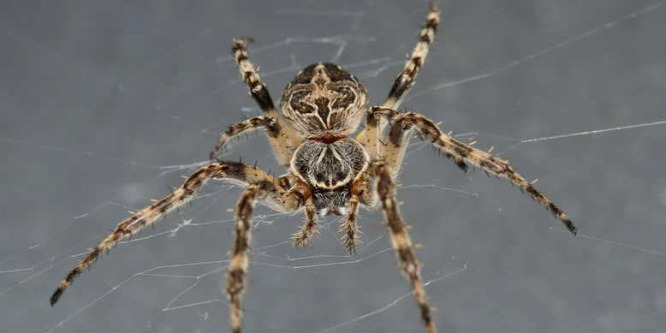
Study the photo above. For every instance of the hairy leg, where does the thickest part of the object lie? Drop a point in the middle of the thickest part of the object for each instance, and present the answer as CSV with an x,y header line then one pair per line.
x,y
239,259
223,170
310,228
349,230
399,136
402,243
283,139
405,80
468,154
266,122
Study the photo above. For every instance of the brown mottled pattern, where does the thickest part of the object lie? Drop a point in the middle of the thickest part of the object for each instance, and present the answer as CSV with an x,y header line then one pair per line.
x,y
335,74
323,98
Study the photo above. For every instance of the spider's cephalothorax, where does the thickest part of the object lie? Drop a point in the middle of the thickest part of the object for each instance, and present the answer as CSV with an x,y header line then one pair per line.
x,y
327,171
329,168
324,100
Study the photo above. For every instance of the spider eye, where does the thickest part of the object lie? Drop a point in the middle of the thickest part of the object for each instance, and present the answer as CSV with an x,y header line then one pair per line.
x,y
346,96
298,102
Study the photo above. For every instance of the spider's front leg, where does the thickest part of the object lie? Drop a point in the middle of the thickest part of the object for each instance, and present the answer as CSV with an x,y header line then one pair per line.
x,y
401,241
402,123
282,138
245,174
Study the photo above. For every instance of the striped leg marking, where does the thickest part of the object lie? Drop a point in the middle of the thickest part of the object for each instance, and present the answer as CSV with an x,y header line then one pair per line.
x,y
470,155
239,259
149,215
402,243
283,139
266,122
350,233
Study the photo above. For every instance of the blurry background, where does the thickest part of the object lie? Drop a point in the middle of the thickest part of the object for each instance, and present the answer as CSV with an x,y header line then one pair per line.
x,y
104,105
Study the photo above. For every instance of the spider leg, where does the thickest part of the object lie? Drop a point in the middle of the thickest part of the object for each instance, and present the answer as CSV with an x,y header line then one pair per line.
x,y
405,80
283,140
238,265
349,230
237,172
403,122
310,228
244,126
400,134
402,243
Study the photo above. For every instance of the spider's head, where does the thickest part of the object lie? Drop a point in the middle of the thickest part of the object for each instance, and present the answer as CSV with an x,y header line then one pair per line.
x,y
324,99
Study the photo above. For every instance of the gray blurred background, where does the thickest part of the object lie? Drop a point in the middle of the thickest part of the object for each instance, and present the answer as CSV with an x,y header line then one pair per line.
x,y
103,105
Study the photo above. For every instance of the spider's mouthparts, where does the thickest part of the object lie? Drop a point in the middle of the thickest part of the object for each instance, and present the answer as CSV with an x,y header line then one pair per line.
x,y
333,210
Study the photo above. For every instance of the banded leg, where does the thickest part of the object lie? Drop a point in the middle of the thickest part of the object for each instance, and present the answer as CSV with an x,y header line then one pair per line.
x,y
285,140
310,228
399,136
476,157
402,243
239,260
349,230
149,215
243,126
405,80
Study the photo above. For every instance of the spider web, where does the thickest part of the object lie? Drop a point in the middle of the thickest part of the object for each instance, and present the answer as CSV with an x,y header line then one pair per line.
x,y
104,106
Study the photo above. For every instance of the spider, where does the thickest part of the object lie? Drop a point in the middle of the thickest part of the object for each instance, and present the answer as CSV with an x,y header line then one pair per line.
x,y
329,171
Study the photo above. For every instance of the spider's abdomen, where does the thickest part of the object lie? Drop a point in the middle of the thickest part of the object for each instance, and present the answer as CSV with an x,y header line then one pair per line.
x,y
330,169
324,98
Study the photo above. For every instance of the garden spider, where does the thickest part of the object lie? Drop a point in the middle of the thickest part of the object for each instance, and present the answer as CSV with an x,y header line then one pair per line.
x,y
329,172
